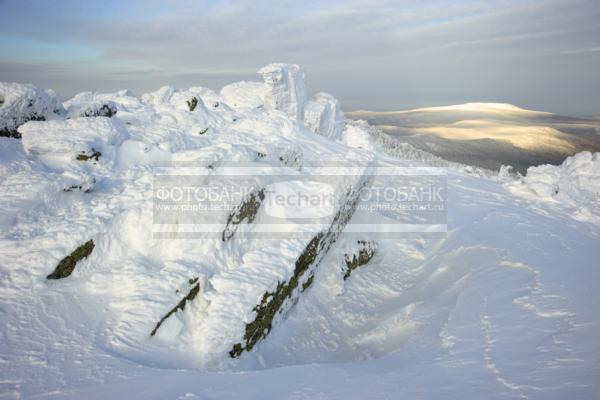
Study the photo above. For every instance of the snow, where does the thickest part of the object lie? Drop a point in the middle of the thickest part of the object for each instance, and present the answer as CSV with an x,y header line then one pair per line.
x,y
574,184
21,103
244,94
501,306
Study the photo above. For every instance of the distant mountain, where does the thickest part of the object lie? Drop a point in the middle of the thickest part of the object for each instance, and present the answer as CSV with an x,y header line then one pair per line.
x,y
489,135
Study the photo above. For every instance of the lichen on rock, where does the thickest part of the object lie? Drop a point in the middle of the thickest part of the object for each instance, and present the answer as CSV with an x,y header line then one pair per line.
x,y
364,254
286,294
94,109
181,305
94,155
66,266
245,211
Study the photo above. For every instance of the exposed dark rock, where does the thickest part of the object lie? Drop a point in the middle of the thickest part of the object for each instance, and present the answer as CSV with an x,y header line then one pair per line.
x,y
246,211
308,282
192,103
103,110
13,133
286,294
365,253
75,188
95,155
181,305
10,133
66,266
86,186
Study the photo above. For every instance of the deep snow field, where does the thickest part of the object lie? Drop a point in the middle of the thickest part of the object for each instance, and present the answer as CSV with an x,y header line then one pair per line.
x,y
501,303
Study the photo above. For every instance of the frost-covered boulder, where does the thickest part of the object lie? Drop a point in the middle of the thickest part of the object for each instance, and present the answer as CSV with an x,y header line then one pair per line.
x,y
576,182
576,176
285,89
92,109
73,140
196,111
95,104
20,103
323,115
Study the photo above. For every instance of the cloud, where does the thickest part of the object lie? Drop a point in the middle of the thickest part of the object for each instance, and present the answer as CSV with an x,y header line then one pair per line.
x,y
374,52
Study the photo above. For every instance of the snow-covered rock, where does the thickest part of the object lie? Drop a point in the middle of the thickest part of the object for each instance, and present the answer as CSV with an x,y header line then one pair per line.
x,y
244,94
285,89
323,115
20,103
576,182
72,140
181,99
92,109
159,96
85,97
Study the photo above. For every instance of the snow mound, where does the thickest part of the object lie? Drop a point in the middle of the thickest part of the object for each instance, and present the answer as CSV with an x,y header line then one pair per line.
x,y
285,89
323,115
244,94
575,183
20,103
62,142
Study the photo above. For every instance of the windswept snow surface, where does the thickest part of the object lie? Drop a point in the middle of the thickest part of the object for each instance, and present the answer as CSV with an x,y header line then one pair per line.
x,y
502,306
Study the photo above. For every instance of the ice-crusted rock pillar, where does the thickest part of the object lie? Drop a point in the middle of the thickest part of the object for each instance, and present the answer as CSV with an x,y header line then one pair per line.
x,y
323,115
285,89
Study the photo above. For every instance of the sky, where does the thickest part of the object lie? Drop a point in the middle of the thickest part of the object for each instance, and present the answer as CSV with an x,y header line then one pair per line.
x,y
377,54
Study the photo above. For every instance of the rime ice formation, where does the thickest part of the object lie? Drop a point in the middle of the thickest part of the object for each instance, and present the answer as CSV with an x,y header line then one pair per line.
x,y
285,89
575,184
323,115
21,103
